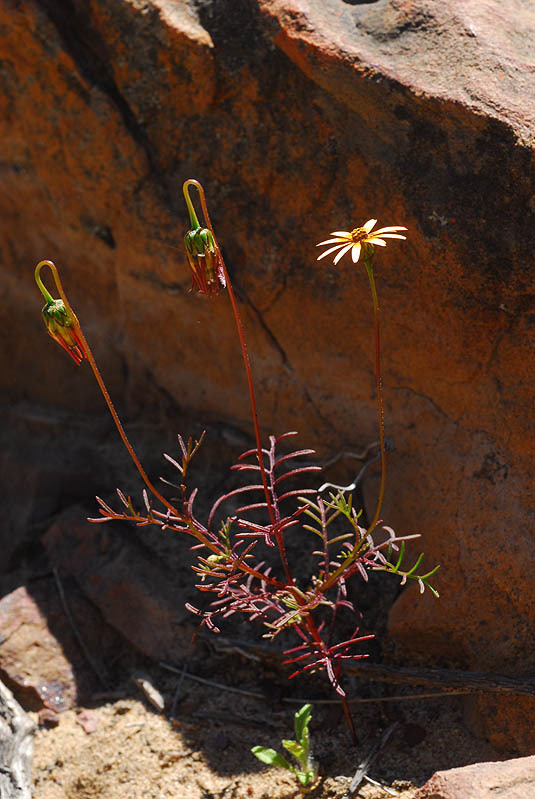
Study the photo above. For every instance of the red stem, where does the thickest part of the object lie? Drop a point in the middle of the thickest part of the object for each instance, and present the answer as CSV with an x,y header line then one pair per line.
x,y
105,393
254,414
378,381
313,630
245,354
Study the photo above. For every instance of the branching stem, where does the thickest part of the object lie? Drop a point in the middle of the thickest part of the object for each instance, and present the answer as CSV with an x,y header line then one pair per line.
x,y
315,634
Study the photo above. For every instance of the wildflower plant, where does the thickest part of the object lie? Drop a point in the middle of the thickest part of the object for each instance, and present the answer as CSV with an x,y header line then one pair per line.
x,y
233,546
305,770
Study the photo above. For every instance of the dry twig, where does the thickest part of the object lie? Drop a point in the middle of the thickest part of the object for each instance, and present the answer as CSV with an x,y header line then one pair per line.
x,y
455,679
368,761
77,635
302,701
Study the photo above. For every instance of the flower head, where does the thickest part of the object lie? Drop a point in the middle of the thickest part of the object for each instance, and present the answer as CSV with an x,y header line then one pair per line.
x,y
205,260
63,329
354,239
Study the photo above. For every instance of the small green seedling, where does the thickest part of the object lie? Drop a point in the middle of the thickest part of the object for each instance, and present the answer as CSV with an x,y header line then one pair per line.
x,y
307,771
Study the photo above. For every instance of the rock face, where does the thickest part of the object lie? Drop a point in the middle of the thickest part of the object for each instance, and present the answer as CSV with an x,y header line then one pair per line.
x,y
135,594
39,653
512,779
301,117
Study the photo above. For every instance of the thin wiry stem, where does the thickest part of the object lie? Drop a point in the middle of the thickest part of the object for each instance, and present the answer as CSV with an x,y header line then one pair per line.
x,y
101,384
378,378
367,256
349,719
243,345
315,634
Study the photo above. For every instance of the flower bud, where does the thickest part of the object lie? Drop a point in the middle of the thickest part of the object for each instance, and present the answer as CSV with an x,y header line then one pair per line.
x,y
205,260
63,329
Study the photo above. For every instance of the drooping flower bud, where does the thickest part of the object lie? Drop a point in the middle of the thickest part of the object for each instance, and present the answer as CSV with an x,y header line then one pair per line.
x,y
202,249
205,260
63,329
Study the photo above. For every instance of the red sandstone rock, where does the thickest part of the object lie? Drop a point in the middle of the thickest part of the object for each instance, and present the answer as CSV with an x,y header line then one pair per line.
x,y
301,117
136,595
39,653
510,779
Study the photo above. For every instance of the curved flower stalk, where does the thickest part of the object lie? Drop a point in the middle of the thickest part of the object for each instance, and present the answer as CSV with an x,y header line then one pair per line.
x,y
203,274
64,327
60,322
202,250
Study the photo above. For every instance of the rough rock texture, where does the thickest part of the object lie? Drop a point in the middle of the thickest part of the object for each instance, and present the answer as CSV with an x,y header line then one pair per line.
x,y
512,779
40,655
301,117
134,592
16,748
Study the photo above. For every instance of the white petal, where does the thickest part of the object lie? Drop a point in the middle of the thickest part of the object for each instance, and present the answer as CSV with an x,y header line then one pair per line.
x,y
369,225
328,252
345,233
332,241
342,253
393,236
355,252
380,242
390,229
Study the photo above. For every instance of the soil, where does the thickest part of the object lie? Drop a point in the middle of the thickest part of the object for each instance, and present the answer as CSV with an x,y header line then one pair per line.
x,y
121,746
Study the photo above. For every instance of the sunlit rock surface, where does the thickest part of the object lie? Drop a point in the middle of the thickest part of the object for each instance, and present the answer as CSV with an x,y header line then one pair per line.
x,y
301,118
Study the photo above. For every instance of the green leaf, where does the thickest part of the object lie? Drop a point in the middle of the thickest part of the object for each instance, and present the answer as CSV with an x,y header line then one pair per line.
x,y
302,720
411,571
304,777
271,757
294,749
430,574
343,537
312,516
313,530
400,559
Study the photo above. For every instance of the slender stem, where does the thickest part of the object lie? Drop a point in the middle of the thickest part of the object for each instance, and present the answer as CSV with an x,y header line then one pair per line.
x,y
191,210
101,384
243,346
379,387
349,719
330,581
254,413
283,557
315,634
43,289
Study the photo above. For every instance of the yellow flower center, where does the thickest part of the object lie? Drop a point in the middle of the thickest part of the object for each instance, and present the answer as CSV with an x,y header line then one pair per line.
x,y
358,234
